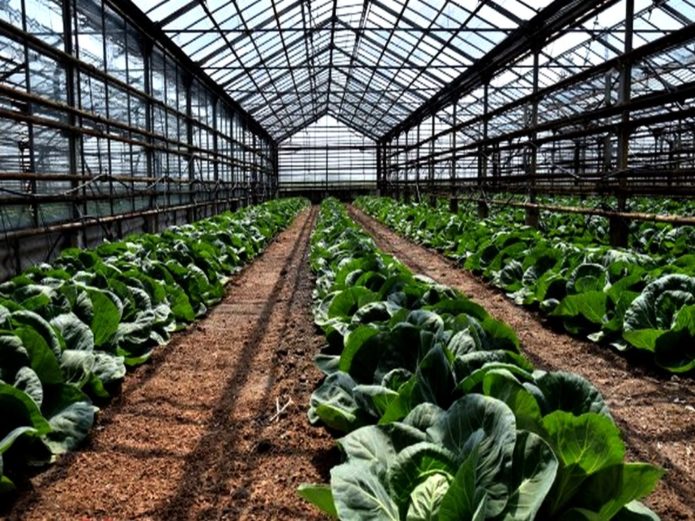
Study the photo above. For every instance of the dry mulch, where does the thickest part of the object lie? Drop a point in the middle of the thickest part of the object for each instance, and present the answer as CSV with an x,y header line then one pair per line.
x,y
656,411
195,433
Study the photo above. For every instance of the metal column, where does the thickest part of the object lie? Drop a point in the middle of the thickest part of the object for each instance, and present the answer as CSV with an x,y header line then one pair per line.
x,y
215,164
453,200
188,85
151,221
483,208
417,164
619,226
379,165
406,166
430,187
532,214
73,237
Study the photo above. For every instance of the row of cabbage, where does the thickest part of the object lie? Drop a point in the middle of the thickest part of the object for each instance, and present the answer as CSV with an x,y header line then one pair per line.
x,y
442,418
643,236
69,329
615,296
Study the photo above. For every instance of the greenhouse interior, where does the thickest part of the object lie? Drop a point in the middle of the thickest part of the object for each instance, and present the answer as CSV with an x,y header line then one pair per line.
x,y
381,260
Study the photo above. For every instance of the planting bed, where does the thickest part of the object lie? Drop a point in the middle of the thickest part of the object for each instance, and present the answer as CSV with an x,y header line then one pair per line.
x,y
195,434
655,411
215,425
638,298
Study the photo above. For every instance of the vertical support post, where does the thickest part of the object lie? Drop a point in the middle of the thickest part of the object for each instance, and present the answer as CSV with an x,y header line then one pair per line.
x,y
388,161
326,170
273,172
191,213
496,159
260,180
385,151
379,172
391,168
607,148
483,208
108,159
393,161
386,157
619,226
74,238
532,214
397,171
433,197
233,163
238,165
262,170
453,200
406,167
27,148
417,163
151,221
553,153
246,163
276,171
267,163
242,174
255,171
270,170
216,158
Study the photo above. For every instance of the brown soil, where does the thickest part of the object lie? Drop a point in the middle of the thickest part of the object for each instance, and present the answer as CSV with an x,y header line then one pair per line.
x,y
196,434
655,411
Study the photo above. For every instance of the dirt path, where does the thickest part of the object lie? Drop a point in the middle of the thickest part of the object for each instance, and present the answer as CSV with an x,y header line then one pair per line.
x,y
192,436
655,411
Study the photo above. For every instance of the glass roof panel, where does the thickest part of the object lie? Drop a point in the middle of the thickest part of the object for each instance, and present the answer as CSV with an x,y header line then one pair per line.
x,y
598,39
369,63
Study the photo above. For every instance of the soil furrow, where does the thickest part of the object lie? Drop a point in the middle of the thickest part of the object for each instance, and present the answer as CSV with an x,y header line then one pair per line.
x,y
196,434
655,411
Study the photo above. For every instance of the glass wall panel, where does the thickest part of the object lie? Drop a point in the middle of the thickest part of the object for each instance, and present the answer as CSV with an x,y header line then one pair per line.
x,y
110,124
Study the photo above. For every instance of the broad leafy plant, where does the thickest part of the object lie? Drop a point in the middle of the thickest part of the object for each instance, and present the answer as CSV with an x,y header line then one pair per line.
x,y
638,297
69,330
443,418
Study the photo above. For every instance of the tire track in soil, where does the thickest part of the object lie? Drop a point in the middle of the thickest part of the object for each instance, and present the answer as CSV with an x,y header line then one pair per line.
x,y
656,412
193,435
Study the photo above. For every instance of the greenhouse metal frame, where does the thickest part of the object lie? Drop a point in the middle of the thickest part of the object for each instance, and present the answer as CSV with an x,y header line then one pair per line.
x,y
121,116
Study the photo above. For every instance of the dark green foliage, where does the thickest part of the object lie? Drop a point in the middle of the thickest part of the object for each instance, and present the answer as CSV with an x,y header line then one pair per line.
x,y
69,330
444,418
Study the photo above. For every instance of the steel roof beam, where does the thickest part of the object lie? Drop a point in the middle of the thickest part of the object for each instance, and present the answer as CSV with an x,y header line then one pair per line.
x,y
308,38
365,86
432,35
399,57
434,57
355,47
548,22
382,75
332,46
179,12
271,56
287,54
351,29
357,109
217,27
280,77
258,52
300,126
132,12
245,31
